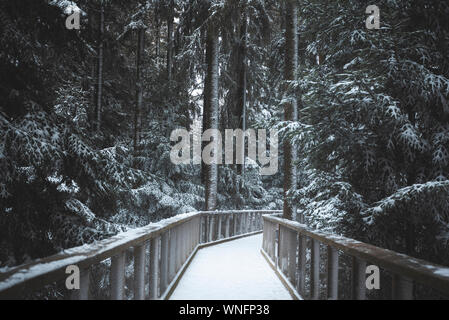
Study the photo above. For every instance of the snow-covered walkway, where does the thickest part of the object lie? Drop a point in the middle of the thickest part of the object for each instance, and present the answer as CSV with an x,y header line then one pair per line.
x,y
234,270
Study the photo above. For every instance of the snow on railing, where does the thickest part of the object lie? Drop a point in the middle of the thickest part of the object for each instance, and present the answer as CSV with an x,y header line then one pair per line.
x,y
285,247
171,243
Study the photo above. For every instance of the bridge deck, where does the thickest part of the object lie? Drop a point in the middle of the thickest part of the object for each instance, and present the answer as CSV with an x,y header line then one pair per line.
x,y
234,270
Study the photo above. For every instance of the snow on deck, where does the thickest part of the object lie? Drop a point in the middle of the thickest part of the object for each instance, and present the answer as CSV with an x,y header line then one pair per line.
x,y
234,270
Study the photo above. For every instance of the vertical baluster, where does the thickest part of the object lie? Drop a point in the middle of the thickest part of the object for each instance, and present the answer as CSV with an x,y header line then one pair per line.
x,y
358,279
278,253
117,276
139,272
154,268
228,222
402,288
171,255
178,250
282,249
83,292
202,229
315,271
190,233
264,241
332,273
211,228
273,242
242,223
292,256
302,265
164,261
186,239
219,227
234,222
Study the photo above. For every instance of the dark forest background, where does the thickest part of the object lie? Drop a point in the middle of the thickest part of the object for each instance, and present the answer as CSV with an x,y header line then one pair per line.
x,y
86,117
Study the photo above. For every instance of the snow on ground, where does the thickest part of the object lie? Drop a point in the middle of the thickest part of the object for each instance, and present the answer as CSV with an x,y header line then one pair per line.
x,y
234,270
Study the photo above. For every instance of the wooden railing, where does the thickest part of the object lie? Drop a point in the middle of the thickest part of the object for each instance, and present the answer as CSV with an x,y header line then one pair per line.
x,y
285,245
171,244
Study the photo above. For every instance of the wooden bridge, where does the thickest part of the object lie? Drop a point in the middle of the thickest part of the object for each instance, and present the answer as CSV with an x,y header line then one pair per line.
x,y
158,262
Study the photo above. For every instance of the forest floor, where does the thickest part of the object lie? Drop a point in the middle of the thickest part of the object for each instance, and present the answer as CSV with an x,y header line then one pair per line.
x,y
234,270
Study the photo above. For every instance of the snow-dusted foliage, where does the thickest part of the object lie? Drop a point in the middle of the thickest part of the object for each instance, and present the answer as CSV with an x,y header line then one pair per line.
x,y
374,120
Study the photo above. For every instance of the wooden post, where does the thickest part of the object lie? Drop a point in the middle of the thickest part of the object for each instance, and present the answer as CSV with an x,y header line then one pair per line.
x,y
315,271
164,261
273,242
211,228
292,246
402,288
202,227
117,276
302,260
332,273
171,255
358,279
178,249
154,268
227,227
234,221
139,272
83,292
219,227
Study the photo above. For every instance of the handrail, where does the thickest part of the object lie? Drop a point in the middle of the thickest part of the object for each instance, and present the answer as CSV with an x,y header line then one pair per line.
x,y
289,258
171,243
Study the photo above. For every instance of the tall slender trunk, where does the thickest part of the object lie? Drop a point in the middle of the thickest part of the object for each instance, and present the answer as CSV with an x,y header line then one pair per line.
x,y
100,70
158,37
170,40
139,87
291,106
242,81
210,115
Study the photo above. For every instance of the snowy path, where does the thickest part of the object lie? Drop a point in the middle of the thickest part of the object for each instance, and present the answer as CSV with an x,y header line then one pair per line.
x,y
234,270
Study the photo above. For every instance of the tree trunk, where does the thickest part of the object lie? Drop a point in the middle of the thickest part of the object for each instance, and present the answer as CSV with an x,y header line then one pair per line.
x,y
291,106
139,89
158,37
100,70
242,81
170,41
210,114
